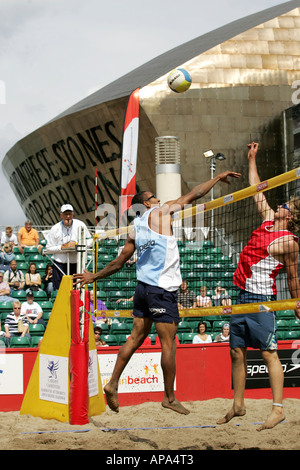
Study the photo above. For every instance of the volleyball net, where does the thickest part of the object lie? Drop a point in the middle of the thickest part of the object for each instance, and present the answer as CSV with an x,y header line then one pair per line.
x,y
210,238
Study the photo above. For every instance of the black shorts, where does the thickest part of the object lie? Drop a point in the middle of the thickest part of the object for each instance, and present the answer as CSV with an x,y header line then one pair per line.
x,y
155,303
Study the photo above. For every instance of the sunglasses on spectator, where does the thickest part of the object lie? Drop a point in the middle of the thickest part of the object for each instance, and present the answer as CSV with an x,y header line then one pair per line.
x,y
150,197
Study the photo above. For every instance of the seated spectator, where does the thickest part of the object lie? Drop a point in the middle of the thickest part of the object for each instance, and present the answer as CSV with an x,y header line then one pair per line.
x,y
202,336
185,297
9,237
6,256
47,280
14,277
203,300
28,236
33,279
221,297
100,306
4,290
15,323
32,310
224,335
99,342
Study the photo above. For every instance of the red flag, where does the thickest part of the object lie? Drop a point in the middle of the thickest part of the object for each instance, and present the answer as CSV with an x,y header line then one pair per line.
x,y
129,153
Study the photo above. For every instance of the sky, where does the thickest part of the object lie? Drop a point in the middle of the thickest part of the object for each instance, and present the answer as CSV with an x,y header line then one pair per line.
x,y
54,53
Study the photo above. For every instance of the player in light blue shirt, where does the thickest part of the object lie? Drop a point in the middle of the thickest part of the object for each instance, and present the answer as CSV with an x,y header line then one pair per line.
x,y
159,278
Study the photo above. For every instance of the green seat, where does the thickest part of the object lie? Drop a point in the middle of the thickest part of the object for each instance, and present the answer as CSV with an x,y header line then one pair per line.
x,y
46,316
53,295
294,324
282,335
184,327
22,266
30,250
20,342
40,295
125,305
283,325
217,325
19,295
293,334
152,336
121,339
3,342
46,305
207,244
36,329
35,341
35,258
187,338
120,329
111,340
6,307
20,258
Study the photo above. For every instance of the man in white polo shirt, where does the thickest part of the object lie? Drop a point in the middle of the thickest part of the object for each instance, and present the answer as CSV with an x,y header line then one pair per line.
x,y
64,236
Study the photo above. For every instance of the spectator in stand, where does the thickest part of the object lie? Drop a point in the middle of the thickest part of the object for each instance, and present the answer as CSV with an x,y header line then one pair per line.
x,y
14,277
15,323
32,310
9,237
100,306
64,236
47,280
202,336
33,279
224,335
28,236
203,300
6,256
99,342
221,297
186,298
4,290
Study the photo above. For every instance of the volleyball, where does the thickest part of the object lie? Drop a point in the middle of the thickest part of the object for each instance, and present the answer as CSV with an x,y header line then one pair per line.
x,y
179,80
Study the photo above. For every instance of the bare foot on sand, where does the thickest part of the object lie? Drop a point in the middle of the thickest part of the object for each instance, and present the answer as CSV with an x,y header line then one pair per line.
x,y
276,417
112,397
231,414
175,406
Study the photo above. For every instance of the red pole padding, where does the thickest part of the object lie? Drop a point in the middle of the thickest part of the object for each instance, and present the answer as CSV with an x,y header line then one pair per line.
x,y
79,361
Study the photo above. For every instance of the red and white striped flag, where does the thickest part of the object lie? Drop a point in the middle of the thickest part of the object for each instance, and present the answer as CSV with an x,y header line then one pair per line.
x,y
129,153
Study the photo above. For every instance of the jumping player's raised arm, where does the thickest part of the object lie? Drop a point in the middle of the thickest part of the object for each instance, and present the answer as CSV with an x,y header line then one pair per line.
x,y
160,220
260,200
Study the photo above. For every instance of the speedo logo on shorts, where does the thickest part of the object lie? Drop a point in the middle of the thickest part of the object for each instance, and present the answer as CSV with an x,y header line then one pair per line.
x,y
155,311
147,245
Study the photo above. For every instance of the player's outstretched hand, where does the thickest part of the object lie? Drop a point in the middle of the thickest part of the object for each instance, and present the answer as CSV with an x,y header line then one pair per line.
x,y
85,278
224,176
253,148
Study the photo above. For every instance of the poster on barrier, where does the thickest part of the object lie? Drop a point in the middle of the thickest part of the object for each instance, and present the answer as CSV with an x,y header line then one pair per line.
x,y
11,374
53,378
93,373
143,373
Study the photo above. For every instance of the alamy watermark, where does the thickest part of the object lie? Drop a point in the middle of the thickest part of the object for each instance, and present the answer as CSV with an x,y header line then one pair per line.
x,y
296,94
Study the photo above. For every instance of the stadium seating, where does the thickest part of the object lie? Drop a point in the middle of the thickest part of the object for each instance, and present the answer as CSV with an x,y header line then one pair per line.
x,y
20,342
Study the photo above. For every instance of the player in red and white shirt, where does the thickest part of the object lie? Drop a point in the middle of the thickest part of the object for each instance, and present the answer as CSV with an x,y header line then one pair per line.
x,y
271,247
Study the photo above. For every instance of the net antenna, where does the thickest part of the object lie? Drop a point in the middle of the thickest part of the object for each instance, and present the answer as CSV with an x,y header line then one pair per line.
x,y
81,249
213,161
